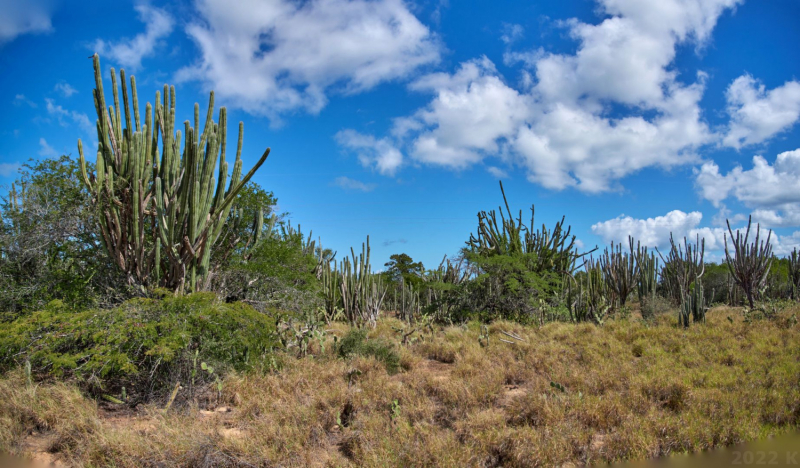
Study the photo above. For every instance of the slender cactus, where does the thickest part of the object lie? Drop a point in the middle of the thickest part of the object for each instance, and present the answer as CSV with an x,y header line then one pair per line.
x,y
693,304
750,263
587,294
794,273
620,271
362,292
160,217
682,267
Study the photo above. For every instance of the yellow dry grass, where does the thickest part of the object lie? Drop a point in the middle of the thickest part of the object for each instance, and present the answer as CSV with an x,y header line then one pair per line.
x,y
630,391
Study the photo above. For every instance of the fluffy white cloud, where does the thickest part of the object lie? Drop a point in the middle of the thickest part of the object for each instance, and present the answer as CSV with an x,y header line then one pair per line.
x,y
65,89
272,57
7,169
31,16
130,52
560,128
758,114
652,232
46,150
772,191
379,154
655,232
61,114
512,32
352,184
497,172
472,112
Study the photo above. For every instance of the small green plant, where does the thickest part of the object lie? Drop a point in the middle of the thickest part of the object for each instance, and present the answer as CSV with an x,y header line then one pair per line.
x,y
395,410
483,337
558,386
217,381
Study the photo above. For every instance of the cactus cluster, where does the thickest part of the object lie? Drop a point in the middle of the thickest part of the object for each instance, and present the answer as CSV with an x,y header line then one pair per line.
x,y
350,288
682,267
620,271
693,304
750,263
160,215
588,294
794,272
553,250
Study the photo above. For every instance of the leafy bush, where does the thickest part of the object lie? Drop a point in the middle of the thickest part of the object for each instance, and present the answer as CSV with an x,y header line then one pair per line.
x,y
654,306
47,249
355,342
143,344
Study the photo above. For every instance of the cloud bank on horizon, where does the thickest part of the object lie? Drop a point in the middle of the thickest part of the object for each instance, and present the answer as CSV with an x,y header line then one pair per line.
x,y
582,120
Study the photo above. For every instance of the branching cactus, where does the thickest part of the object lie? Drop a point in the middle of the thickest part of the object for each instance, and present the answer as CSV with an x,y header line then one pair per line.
x,y
587,294
750,263
693,304
647,266
160,215
682,267
794,273
620,271
554,249
362,293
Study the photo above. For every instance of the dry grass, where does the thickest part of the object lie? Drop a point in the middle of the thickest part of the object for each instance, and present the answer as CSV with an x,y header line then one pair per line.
x,y
631,391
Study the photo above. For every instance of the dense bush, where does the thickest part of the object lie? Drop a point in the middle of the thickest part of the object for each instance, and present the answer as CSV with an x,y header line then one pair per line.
x,y
143,344
279,272
47,247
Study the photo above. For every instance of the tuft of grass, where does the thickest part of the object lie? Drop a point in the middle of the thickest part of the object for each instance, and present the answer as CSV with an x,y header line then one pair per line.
x,y
356,343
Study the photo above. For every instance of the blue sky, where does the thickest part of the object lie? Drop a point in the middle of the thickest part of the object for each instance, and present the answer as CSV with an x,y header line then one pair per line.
x,y
396,119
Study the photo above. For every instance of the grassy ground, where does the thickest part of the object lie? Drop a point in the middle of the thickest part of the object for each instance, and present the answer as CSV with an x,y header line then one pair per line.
x,y
566,394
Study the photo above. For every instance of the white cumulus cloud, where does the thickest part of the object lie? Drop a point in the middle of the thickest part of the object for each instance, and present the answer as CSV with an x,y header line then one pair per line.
x,y
272,57
7,169
379,154
772,191
757,114
61,114
24,17
129,52
652,232
558,126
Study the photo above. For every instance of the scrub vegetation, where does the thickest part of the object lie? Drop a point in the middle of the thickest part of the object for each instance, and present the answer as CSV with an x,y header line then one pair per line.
x,y
155,312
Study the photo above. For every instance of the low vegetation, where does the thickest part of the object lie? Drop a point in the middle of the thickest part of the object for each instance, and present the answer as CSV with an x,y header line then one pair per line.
x,y
557,394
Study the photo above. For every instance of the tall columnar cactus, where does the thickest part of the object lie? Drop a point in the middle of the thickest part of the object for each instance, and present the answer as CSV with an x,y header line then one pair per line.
x,y
647,265
587,294
683,266
620,271
794,273
693,304
160,216
750,263
362,293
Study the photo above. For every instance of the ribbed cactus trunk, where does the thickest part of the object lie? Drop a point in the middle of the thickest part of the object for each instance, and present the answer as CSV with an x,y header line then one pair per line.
x,y
160,216
794,273
750,263
620,271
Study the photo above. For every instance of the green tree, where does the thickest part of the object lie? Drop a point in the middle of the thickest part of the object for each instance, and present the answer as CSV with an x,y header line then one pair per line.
x,y
401,267
48,249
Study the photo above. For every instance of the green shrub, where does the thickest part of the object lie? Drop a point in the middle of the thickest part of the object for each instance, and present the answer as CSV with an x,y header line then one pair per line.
x,y
144,344
355,342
